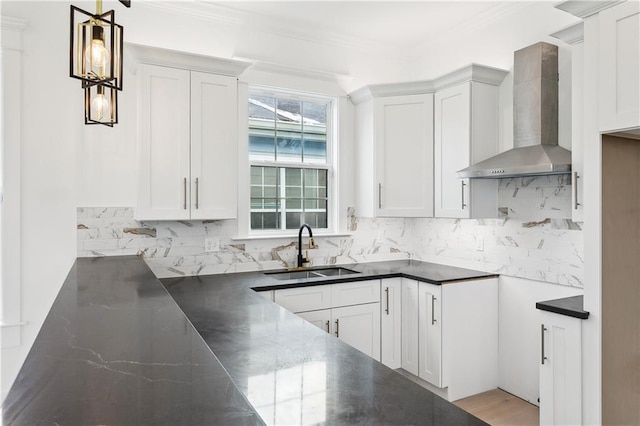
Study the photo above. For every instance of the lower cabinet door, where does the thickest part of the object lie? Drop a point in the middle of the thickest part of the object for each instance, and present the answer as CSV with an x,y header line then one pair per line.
x,y
560,370
321,319
391,323
359,326
430,333
409,321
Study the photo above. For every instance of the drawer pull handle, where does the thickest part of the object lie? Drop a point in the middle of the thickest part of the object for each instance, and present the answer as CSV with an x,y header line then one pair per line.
x,y
433,310
542,330
337,328
386,290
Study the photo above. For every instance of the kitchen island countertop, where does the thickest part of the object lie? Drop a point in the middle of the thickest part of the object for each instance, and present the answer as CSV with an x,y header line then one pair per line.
x,y
116,349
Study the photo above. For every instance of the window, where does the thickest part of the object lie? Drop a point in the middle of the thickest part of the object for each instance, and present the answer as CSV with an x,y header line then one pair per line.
x,y
290,160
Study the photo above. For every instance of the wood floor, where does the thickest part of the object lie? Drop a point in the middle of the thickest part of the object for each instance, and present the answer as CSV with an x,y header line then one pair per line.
x,y
498,407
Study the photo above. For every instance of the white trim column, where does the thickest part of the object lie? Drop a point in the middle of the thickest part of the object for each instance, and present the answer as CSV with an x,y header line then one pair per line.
x,y
10,189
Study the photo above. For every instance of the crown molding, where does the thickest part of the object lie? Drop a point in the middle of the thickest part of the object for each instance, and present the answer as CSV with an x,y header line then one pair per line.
x,y
585,8
473,72
12,29
191,61
275,68
571,35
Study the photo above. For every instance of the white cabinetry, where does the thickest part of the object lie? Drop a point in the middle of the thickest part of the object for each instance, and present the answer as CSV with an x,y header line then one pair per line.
x,y
187,135
560,370
410,326
350,311
430,333
187,144
574,36
391,322
577,156
466,131
619,67
457,335
395,156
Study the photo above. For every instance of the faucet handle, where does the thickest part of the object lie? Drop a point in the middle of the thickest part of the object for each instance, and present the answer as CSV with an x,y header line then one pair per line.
x,y
306,257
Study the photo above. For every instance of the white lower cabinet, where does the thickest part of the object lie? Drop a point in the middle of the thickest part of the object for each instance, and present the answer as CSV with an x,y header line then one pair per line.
x,y
410,349
391,322
357,325
457,335
350,311
560,370
430,333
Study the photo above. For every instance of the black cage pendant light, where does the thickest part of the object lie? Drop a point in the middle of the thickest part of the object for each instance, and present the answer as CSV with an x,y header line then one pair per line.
x,y
96,60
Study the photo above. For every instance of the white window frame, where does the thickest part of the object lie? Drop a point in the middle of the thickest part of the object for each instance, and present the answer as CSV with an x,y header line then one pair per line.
x,y
244,180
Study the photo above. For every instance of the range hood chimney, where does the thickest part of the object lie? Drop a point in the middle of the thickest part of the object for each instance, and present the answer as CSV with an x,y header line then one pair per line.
x,y
535,121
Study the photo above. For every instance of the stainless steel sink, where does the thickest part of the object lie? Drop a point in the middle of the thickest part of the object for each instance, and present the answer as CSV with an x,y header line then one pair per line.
x,y
310,273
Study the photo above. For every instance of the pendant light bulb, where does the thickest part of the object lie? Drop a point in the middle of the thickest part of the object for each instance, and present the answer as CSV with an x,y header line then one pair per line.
x,y
100,105
96,53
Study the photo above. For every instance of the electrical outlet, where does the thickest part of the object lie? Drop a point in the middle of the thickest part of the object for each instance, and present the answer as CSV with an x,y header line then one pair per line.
x,y
211,244
479,244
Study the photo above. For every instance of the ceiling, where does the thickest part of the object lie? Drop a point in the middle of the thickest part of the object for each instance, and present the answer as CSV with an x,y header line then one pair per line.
x,y
406,25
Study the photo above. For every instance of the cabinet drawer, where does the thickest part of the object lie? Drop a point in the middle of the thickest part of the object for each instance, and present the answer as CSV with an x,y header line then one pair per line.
x,y
355,293
303,299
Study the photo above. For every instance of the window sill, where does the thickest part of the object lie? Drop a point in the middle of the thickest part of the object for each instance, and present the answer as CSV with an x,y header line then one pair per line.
x,y
289,236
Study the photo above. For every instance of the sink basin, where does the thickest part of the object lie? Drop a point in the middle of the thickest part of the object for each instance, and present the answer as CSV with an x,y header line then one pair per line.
x,y
310,273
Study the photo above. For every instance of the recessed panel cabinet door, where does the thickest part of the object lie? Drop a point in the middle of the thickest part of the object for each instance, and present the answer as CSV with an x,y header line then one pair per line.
x,y
213,146
430,330
410,347
391,322
404,155
359,326
163,149
619,62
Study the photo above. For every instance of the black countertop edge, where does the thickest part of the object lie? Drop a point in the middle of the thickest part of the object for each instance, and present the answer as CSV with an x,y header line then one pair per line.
x,y
431,273
568,306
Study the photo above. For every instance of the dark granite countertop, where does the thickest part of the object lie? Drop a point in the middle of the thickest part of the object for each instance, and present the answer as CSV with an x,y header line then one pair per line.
x,y
569,306
116,349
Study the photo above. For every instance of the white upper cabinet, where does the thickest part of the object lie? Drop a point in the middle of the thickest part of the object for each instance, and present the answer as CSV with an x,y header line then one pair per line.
x,y
163,145
466,131
213,146
404,155
619,71
574,36
395,156
187,135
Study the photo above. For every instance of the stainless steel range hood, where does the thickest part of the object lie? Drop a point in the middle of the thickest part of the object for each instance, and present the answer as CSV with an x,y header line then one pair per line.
x,y
535,121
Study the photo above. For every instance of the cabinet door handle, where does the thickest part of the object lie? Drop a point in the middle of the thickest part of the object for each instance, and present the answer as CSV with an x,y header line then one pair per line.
x,y
184,203
386,290
575,190
379,195
338,328
433,310
197,194
463,204
542,330
328,322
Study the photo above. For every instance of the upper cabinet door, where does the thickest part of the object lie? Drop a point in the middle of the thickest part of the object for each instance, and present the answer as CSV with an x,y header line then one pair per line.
x,y
452,150
619,79
163,149
466,131
214,150
404,155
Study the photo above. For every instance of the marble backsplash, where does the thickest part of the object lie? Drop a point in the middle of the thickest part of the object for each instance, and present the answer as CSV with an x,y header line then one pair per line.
x,y
533,239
